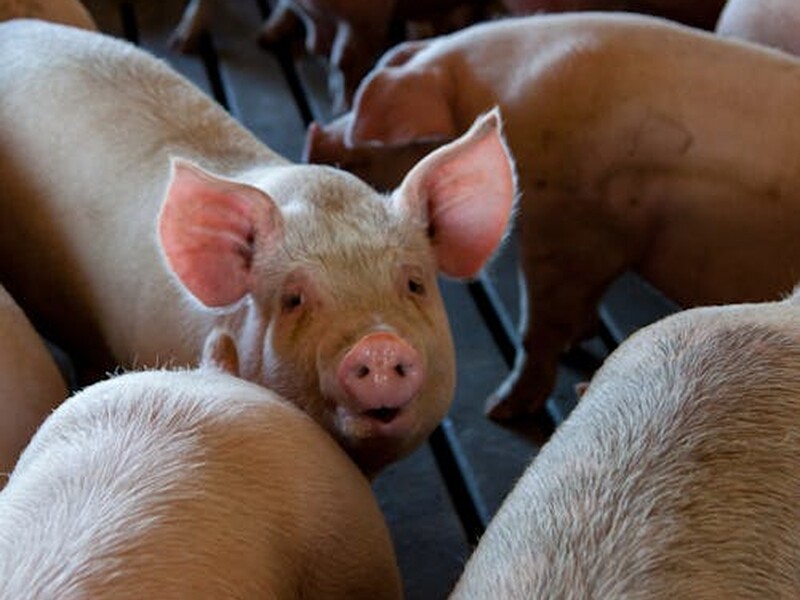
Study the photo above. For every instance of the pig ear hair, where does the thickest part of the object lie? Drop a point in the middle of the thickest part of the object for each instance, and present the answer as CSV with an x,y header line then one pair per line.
x,y
465,191
210,229
395,106
219,352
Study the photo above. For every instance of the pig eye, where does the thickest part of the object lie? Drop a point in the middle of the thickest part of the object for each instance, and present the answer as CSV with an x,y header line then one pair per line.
x,y
291,301
416,287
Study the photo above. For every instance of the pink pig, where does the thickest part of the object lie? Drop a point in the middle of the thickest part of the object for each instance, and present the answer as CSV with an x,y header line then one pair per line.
x,y
139,215
772,23
639,145
189,484
676,476
30,383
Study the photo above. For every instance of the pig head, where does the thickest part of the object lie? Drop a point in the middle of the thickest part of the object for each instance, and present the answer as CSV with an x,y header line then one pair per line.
x,y
345,315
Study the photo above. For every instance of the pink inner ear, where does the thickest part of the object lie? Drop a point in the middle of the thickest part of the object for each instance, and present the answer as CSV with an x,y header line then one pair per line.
x,y
469,188
210,229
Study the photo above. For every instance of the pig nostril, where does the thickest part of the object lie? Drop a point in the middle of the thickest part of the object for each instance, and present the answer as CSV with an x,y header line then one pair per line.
x,y
383,414
400,370
362,371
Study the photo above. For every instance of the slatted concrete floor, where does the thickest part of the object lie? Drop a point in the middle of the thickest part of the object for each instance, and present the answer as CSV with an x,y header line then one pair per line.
x,y
438,500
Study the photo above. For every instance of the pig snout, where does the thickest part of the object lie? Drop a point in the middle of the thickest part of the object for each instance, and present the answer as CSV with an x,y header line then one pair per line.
x,y
380,375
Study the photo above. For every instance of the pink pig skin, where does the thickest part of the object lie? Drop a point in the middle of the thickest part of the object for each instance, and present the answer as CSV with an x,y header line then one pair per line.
x,y
773,23
149,215
189,484
30,383
635,141
675,477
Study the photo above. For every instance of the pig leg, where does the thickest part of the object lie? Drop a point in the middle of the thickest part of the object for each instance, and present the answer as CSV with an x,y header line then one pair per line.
x,y
30,384
194,21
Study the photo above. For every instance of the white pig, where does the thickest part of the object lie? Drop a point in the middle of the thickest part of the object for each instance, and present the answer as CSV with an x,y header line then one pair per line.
x,y
677,475
189,484
30,383
66,12
138,214
639,144
772,23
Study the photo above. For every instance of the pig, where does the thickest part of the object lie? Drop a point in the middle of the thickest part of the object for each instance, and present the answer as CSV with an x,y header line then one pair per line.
x,y
66,12
30,383
138,214
189,483
351,34
677,475
773,23
638,145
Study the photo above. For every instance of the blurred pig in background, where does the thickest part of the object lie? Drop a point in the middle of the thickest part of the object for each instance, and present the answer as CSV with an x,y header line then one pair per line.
x,y
773,23
66,12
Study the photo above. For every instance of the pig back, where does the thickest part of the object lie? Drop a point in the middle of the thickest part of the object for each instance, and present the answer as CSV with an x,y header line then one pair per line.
x,y
194,483
675,477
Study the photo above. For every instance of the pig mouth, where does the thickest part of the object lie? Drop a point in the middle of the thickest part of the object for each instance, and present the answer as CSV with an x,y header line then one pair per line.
x,y
391,423
384,414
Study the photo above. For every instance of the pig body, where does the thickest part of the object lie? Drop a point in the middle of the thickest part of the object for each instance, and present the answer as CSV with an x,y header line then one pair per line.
x,y
639,145
676,476
30,383
189,484
769,22
148,216
66,12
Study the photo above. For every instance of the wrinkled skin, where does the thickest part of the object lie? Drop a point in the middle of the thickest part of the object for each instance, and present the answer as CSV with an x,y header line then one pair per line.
x,y
621,162
772,23
176,220
682,461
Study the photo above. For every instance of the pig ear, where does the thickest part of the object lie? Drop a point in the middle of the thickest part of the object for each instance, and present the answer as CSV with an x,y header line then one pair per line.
x,y
395,106
465,190
210,230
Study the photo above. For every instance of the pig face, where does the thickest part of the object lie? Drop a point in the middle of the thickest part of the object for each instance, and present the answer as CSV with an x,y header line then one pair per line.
x,y
332,288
